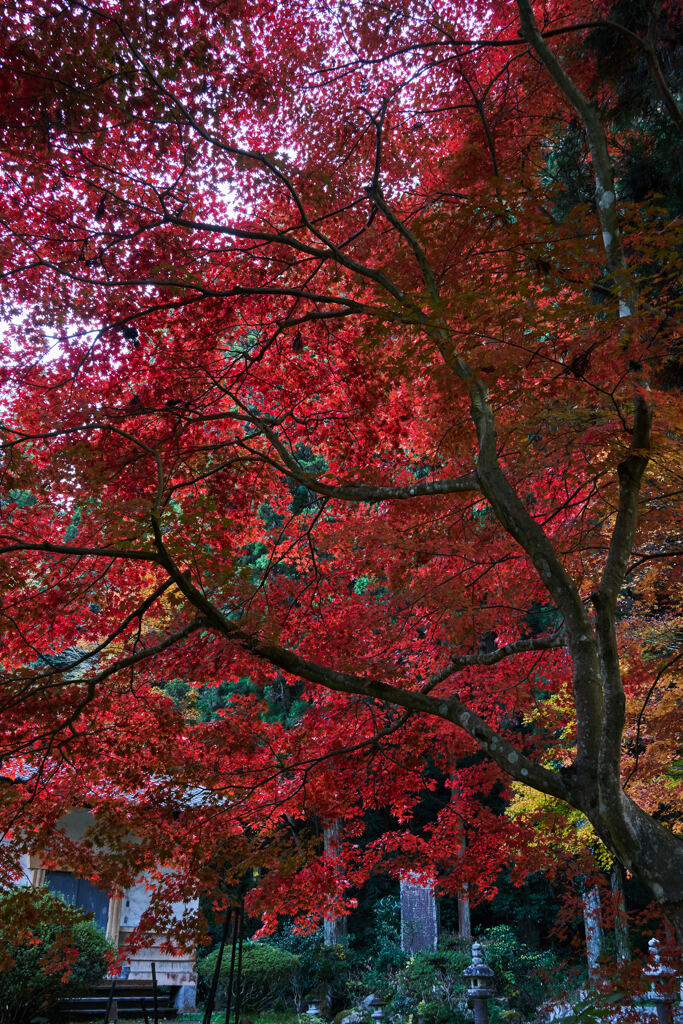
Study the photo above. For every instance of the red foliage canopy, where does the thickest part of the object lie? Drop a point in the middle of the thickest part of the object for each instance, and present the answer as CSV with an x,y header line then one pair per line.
x,y
308,380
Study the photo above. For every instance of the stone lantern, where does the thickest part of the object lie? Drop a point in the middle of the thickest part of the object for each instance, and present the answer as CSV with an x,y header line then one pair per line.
x,y
374,1004
662,981
479,977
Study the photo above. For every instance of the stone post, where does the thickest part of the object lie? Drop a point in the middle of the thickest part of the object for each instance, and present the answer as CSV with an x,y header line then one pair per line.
x,y
419,919
479,977
620,917
593,925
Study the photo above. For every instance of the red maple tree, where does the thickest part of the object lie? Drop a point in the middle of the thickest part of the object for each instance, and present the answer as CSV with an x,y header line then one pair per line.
x,y
310,378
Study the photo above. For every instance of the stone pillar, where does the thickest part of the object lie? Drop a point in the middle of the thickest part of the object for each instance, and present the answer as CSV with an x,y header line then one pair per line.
x,y
186,998
419,917
593,927
334,928
621,935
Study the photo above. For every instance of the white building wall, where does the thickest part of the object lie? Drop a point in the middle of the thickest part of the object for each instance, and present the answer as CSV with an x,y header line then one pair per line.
x,y
176,971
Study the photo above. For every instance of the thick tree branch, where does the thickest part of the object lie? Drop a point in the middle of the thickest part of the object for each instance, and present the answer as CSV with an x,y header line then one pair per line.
x,y
631,472
514,517
452,709
540,643
604,599
76,549
370,493
504,753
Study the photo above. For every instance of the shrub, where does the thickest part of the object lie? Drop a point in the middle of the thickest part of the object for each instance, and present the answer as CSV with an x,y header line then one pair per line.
x,y
388,957
440,1013
378,966
323,970
434,983
526,976
48,951
268,976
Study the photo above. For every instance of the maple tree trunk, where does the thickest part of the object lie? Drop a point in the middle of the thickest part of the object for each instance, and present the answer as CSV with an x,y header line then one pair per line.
x,y
649,851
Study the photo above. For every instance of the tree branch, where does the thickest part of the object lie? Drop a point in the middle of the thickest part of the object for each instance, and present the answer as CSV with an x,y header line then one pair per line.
x,y
75,549
604,599
452,709
597,142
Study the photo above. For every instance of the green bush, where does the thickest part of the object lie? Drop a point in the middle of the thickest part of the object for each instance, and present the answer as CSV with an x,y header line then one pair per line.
x,y
268,976
327,975
48,951
441,1013
432,985
387,955
377,966
323,970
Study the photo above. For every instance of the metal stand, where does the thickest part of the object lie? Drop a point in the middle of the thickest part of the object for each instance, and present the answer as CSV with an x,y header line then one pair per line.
x,y
107,1012
234,916
155,994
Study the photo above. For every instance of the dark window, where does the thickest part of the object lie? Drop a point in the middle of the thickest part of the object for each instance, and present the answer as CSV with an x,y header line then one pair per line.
x,y
80,893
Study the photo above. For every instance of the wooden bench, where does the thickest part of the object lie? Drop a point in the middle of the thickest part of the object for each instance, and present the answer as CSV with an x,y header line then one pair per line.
x,y
131,999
